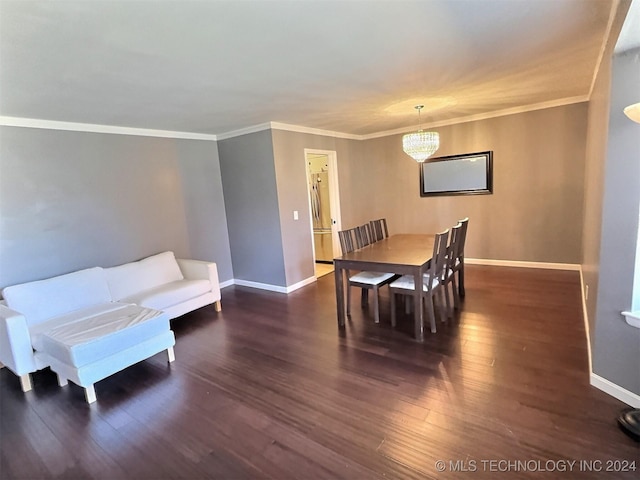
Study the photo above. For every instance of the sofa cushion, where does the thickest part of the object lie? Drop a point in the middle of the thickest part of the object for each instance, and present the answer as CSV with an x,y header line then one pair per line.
x,y
36,331
85,340
44,299
132,278
167,295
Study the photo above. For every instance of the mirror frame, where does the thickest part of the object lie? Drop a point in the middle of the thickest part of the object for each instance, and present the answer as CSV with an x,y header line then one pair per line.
x,y
485,184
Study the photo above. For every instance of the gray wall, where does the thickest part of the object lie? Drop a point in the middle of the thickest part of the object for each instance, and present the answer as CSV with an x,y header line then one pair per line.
x,y
616,353
597,133
291,179
535,212
537,200
70,200
251,202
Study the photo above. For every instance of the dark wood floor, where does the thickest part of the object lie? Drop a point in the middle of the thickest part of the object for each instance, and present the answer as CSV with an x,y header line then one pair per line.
x,y
269,388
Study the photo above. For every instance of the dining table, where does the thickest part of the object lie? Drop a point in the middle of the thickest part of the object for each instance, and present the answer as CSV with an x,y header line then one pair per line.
x,y
404,254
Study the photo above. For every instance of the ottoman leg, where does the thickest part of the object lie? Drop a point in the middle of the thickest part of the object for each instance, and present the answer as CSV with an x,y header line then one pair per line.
x,y
90,394
25,382
170,354
61,380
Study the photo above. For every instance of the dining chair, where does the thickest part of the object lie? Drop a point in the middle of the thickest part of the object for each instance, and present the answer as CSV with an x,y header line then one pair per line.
x,y
350,240
379,229
449,274
432,282
363,235
459,263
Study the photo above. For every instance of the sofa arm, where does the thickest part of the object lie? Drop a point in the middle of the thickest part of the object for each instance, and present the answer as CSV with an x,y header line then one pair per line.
x,y
16,351
199,270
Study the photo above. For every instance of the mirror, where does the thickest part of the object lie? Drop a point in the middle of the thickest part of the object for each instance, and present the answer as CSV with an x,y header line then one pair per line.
x,y
468,174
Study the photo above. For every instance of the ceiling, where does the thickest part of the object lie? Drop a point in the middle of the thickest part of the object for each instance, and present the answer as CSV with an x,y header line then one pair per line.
x,y
356,67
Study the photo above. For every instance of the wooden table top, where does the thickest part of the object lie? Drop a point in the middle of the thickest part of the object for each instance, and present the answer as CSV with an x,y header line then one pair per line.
x,y
402,249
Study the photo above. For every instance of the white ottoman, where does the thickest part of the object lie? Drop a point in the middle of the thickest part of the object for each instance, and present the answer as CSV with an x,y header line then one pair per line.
x,y
90,348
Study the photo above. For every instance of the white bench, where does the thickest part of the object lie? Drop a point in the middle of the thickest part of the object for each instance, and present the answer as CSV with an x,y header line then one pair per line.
x,y
99,341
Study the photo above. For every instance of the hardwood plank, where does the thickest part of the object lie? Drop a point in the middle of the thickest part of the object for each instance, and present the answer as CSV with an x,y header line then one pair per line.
x,y
270,388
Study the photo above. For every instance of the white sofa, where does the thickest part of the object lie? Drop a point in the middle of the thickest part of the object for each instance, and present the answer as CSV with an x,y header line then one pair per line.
x,y
92,323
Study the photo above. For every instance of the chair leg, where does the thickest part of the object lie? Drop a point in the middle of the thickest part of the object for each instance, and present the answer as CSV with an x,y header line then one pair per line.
x,y
393,308
61,380
364,297
376,308
407,304
348,299
461,280
455,293
431,312
449,308
171,356
25,382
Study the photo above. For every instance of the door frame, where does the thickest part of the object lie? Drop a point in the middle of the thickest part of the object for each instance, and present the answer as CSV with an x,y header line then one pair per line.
x,y
334,198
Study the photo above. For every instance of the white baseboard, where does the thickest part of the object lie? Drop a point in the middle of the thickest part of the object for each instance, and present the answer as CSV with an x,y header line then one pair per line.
x,y
615,390
520,264
274,288
596,380
226,283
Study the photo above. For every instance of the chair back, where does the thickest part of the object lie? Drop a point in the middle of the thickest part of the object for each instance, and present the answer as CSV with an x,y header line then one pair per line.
x,y
463,237
439,257
453,247
363,235
379,229
348,240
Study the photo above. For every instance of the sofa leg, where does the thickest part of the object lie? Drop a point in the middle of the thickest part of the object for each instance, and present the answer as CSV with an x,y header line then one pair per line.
x,y
170,354
218,306
61,380
25,382
90,394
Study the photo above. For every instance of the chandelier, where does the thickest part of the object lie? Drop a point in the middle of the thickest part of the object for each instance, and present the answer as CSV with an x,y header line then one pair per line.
x,y
420,145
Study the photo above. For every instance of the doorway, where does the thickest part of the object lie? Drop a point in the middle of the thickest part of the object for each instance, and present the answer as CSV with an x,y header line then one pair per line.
x,y
324,208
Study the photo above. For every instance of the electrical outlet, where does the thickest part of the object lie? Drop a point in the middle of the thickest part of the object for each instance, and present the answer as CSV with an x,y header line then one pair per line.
x,y
295,214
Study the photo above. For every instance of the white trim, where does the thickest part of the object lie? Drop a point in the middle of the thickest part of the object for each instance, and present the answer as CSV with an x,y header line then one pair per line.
x,y
289,128
226,283
334,198
244,131
145,132
483,116
302,283
274,288
603,47
596,380
314,131
95,128
614,390
585,318
261,286
519,264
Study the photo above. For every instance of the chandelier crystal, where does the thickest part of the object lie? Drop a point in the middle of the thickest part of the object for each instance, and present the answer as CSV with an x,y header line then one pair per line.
x,y
420,145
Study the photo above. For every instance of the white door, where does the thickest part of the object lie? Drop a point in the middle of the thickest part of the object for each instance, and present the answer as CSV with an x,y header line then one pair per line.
x,y
322,185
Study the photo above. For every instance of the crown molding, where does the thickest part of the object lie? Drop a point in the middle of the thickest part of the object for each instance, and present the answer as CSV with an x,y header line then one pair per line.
x,y
244,131
96,128
483,116
314,131
288,128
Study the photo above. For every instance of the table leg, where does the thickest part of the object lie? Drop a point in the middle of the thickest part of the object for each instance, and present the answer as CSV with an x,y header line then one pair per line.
x,y
417,307
337,271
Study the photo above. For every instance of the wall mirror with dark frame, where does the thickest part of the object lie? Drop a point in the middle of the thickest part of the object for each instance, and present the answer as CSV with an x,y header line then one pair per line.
x,y
468,174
